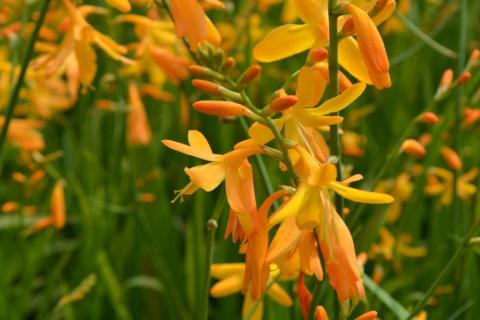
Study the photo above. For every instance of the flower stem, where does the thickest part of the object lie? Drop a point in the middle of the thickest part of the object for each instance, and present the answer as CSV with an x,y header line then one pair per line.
x,y
12,101
335,148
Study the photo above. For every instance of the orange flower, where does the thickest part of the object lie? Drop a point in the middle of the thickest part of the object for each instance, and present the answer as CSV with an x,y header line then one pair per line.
x,y
341,262
371,47
191,22
139,132
24,133
57,205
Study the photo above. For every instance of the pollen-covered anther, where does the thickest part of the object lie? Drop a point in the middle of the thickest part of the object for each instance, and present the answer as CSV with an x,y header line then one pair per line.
x,y
221,108
413,148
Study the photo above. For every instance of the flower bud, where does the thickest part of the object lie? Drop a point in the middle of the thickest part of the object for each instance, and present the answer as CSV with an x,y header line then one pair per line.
x,y
318,54
474,56
370,315
197,70
229,64
206,86
282,103
451,158
447,78
413,148
250,74
221,108
428,118
464,78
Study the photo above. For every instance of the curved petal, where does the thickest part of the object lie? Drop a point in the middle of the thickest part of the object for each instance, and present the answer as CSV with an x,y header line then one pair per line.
x,y
285,240
224,270
360,195
308,84
283,42
291,208
198,141
277,293
207,176
227,286
194,152
343,100
348,57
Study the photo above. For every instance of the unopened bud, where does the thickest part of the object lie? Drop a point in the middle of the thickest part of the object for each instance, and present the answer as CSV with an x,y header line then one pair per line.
x,y
413,148
474,56
197,70
451,158
447,78
229,64
464,78
318,54
428,118
206,86
250,74
221,108
212,224
370,315
282,103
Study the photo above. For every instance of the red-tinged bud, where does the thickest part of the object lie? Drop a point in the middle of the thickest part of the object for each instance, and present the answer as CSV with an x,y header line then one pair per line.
x,y
464,78
413,148
230,63
250,74
321,313
425,138
318,54
474,56
221,108
370,315
197,70
283,103
451,158
428,118
206,86
447,78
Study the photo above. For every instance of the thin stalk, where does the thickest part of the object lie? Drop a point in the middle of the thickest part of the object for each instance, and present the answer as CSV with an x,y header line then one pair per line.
x,y
212,225
425,37
335,148
448,267
462,47
12,101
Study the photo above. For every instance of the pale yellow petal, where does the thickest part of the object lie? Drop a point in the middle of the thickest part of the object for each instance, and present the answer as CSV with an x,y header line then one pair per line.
x,y
227,286
343,100
283,42
349,57
207,176
198,141
360,195
277,293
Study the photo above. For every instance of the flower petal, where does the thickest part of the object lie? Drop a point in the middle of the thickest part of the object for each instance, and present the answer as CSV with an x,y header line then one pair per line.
x,y
207,176
283,42
348,57
341,101
360,195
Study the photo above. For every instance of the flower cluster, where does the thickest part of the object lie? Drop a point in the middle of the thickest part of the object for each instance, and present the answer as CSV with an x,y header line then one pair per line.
x,y
295,228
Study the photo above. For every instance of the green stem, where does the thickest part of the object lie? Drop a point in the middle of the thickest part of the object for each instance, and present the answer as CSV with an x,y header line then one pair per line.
x,y
462,47
335,148
212,225
425,38
12,101
448,267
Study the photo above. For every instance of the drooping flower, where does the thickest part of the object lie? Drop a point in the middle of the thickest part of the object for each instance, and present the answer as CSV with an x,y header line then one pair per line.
x,y
311,203
231,281
192,22
138,129
78,42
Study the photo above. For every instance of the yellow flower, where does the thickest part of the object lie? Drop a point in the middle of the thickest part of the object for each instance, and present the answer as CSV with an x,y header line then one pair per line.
x,y
231,281
440,182
291,39
310,202
192,22
297,119
79,40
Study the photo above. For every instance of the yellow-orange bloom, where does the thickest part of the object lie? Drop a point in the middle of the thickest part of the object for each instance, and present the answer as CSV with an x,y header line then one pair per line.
x,y
138,132
191,22
371,47
24,134
57,205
